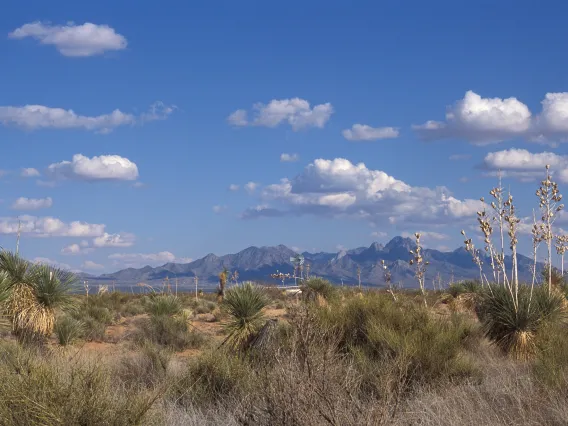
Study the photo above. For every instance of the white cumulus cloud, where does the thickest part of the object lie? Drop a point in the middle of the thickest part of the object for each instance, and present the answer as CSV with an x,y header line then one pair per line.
x,y
233,187
363,132
104,167
490,120
23,203
524,165
73,40
76,249
29,172
49,227
339,188
251,186
122,239
34,117
298,113
480,120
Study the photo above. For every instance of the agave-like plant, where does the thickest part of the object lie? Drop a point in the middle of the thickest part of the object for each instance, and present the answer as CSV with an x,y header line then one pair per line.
x,y
244,304
512,327
32,293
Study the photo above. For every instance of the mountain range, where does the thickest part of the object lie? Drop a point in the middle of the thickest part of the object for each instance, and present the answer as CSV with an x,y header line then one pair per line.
x,y
257,263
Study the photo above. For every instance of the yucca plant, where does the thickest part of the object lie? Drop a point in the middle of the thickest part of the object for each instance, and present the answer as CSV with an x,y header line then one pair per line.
x,y
32,295
513,326
244,304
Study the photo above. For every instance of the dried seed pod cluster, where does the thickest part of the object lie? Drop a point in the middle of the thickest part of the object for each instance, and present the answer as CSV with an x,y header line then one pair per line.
x,y
420,265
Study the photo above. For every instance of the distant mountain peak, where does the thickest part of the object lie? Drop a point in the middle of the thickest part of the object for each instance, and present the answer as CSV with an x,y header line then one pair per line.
x,y
400,242
376,246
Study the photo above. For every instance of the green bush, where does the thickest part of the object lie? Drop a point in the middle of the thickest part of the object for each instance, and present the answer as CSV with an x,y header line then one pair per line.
x,y
172,332
318,287
402,334
213,377
67,329
161,305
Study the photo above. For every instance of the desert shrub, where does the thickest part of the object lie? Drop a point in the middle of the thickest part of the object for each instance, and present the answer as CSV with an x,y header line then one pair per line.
x,y
244,305
48,390
93,329
166,304
316,288
274,293
95,317
514,328
146,368
464,287
425,349
215,376
172,332
67,329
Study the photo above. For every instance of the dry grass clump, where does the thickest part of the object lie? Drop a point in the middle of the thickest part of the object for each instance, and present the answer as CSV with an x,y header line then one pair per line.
x,y
216,377
168,325
507,395
96,316
47,389
68,329
147,368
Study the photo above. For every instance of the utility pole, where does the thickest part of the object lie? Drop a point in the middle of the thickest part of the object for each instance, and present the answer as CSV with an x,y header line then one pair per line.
x,y
176,286
359,276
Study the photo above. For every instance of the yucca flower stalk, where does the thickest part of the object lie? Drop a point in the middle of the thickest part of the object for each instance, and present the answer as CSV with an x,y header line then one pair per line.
x,y
388,278
420,266
512,221
222,283
561,247
499,216
537,233
549,202
470,248
235,277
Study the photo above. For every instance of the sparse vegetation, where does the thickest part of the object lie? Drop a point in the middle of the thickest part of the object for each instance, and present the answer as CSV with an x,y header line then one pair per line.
x,y
491,351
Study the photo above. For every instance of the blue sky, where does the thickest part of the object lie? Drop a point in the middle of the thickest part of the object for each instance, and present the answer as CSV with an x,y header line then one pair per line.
x,y
150,182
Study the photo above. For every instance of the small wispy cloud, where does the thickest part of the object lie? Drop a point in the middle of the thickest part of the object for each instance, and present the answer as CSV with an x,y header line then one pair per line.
x,y
289,158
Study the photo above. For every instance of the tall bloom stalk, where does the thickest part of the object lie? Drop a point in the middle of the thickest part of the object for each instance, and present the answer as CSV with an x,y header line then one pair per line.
x,y
549,197
420,266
